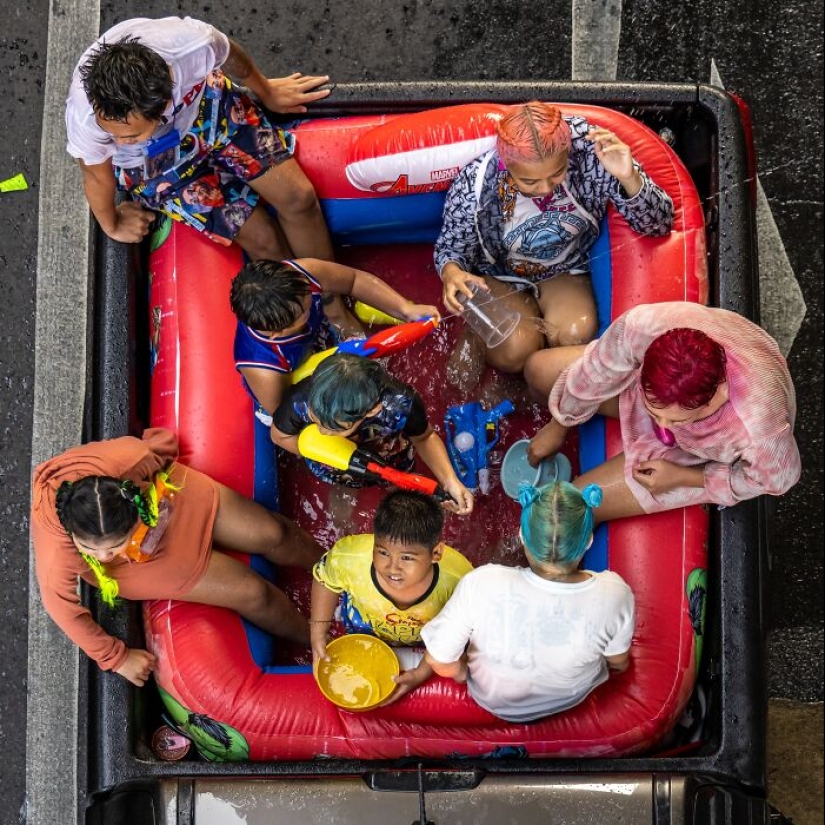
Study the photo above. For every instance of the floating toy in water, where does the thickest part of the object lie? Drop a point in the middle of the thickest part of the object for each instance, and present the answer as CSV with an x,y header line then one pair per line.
x,y
358,675
342,454
471,432
383,343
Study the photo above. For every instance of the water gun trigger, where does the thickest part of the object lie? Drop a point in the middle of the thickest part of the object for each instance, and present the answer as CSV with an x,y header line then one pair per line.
x,y
491,430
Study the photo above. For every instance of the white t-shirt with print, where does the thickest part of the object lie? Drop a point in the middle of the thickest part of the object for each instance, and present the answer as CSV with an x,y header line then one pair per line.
x,y
545,235
535,647
190,47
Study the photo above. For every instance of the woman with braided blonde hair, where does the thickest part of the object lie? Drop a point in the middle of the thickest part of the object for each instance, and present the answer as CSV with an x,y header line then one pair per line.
x,y
537,640
520,221
126,517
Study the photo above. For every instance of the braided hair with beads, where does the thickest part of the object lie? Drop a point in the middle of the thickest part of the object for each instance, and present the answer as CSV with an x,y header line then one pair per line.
x,y
99,507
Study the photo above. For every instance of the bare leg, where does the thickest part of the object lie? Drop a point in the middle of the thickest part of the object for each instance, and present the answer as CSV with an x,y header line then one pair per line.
x,y
543,368
569,310
261,237
228,583
528,337
248,527
341,318
618,501
289,190
244,525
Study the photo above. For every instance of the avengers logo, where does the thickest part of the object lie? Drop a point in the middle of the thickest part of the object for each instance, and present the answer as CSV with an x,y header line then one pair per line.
x,y
402,186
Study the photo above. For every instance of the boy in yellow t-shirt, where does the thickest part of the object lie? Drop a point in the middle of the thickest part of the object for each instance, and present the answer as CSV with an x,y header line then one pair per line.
x,y
389,583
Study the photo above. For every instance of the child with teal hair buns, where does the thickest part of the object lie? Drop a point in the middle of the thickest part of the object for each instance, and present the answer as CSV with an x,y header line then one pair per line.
x,y
531,641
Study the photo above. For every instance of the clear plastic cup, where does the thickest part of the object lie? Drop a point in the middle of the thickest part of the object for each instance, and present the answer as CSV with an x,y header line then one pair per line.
x,y
487,317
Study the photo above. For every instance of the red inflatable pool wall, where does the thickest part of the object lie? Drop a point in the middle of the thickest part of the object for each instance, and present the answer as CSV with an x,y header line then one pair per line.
x,y
204,659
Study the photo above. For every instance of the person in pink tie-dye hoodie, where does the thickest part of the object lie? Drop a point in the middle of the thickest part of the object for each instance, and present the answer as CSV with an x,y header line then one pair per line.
x,y
705,401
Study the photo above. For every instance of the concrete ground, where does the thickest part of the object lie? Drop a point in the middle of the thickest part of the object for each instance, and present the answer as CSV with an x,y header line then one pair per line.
x,y
770,54
795,760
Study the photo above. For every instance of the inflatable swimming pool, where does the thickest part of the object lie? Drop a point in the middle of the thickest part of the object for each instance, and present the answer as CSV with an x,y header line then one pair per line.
x,y
232,688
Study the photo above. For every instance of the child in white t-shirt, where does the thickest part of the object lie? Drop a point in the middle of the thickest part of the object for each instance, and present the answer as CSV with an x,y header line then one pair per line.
x,y
151,111
534,641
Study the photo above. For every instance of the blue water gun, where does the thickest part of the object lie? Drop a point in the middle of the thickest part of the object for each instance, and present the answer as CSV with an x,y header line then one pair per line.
x,y
471,433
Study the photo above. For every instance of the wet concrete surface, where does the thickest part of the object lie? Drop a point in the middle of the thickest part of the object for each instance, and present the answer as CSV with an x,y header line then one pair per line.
x,y
771,55
22,62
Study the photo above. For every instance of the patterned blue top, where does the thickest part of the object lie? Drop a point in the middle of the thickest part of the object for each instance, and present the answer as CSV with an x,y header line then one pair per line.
x,y
472,232
387,434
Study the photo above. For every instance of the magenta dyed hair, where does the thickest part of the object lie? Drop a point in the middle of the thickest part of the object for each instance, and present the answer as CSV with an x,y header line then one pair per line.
x,y
531,132
684,367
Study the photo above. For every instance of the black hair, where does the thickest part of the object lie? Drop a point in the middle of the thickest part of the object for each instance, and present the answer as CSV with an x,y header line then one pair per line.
x,y
268,295
410,518
344,388
99,506
124,78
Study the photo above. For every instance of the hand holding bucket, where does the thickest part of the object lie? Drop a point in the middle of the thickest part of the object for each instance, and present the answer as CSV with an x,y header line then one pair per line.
x,y
516,470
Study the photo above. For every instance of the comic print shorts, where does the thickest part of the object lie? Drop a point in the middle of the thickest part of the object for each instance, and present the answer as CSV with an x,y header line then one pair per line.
x,y
203,180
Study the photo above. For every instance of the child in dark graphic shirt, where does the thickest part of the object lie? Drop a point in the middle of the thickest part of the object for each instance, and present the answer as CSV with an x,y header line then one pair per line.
x,y
358,399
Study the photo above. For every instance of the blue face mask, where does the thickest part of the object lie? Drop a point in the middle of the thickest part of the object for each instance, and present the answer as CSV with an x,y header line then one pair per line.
x,y
157,146
161,156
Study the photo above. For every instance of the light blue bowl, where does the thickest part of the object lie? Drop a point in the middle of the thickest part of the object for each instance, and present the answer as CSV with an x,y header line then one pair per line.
x,y
515,469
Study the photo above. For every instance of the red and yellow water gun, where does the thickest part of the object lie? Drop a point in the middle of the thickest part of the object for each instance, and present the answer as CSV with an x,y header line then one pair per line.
x,y
383,343
343,454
